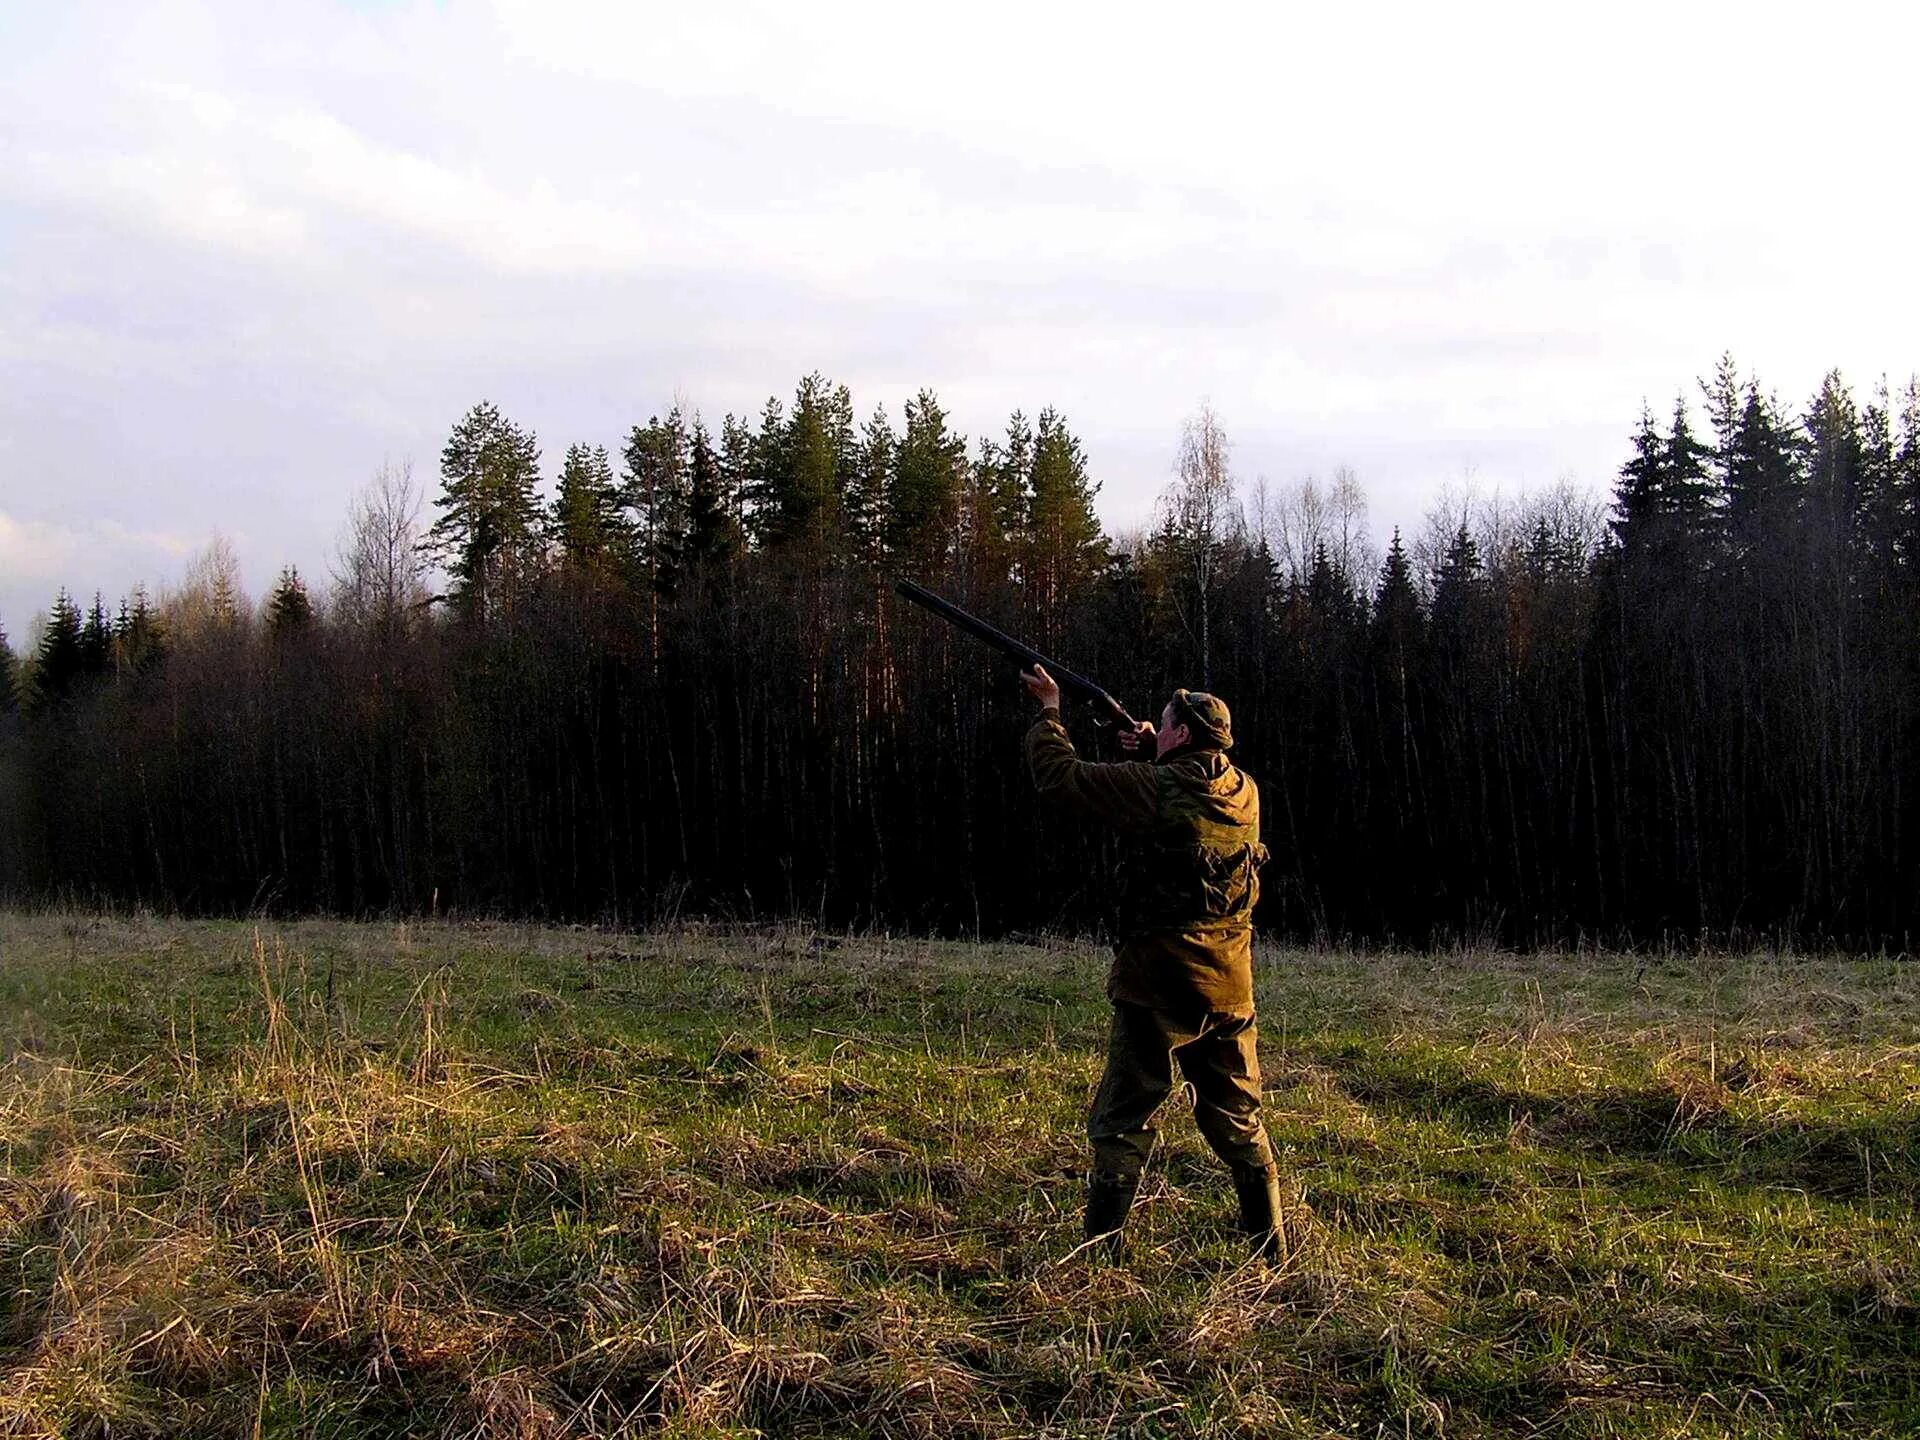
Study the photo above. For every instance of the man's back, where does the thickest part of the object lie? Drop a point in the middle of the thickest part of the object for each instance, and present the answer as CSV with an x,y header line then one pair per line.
x,y
1191,878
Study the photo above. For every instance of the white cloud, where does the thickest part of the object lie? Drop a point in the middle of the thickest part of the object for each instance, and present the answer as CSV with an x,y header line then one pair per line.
x,y
40,557
252,250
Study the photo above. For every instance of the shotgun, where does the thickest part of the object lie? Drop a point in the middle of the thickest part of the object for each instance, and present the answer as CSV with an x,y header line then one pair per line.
x,y
1070,682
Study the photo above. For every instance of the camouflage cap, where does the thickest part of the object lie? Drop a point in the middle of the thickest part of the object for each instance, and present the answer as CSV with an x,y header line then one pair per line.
x,y
1206,716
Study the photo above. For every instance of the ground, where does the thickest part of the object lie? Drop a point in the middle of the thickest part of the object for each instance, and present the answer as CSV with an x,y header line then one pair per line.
x,y
493,1180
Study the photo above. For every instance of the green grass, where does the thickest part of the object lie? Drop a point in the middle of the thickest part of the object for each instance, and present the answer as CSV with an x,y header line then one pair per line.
x,y
328,1179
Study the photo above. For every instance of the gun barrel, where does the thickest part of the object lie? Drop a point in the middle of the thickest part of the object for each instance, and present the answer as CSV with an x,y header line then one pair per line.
x,y
1070,681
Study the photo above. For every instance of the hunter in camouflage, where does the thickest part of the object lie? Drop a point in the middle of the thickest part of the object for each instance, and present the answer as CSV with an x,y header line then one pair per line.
x,y
1182,978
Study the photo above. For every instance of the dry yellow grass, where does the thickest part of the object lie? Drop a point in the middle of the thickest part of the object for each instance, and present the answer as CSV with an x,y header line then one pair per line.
x,y
499,1180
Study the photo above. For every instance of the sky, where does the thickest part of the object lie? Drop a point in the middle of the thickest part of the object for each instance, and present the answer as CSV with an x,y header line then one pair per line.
x,y
251,253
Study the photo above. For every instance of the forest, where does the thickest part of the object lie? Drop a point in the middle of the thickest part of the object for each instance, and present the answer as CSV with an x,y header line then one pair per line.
x,y
675,683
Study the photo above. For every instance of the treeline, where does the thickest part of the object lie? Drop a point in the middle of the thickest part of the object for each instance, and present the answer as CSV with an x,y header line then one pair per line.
x,y
680,683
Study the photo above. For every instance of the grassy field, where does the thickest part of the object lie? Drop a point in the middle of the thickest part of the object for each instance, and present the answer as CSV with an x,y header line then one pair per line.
x,y
329,1179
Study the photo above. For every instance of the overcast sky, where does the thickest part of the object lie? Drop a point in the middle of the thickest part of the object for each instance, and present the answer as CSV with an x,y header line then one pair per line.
x,y
249,251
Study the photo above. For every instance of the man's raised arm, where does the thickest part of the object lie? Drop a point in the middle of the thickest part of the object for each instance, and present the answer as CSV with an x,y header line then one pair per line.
x,y
1126,796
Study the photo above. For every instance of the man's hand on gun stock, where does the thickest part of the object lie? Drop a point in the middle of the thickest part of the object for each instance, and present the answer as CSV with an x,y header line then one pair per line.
x,y
1141,737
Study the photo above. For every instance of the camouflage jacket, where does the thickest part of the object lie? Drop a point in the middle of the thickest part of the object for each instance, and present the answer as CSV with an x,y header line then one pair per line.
x,y
1191,879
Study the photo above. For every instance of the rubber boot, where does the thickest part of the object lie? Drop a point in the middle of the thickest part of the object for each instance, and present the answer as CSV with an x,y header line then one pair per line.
x,y
1262,1211
1109,1198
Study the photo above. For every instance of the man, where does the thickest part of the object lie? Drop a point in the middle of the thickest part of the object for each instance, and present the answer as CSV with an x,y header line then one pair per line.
x,y
1182,977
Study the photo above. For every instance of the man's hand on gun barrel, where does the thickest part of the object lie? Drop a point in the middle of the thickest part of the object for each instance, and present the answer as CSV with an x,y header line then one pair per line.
x,y
1042,687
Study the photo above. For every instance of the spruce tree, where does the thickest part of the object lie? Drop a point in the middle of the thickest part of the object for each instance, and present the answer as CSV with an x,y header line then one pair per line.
x,y
1906,481
1877,518
1543,557
1456,585
289,607
139,640
488,531
1834,456
713,532
223,599
1664,505
9,676
1637,503
1688,485
1724,401
1397,619
1763,483
1329,593
96,641
59,662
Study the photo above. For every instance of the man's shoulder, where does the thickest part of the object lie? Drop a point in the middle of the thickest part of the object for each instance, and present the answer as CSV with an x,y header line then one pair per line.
x,y
1208,781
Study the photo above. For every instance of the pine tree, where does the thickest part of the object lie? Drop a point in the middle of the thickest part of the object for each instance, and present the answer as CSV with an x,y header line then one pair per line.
x,y
980,542
59,662
488,532
994,504
736,470
765,479
923,500
289,607
867,493
993,508
818,451
1064,547
657,490
1009,484
585,521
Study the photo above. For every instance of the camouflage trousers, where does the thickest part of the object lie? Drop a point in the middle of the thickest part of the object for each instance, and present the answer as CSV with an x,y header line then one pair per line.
x,y
1221,1071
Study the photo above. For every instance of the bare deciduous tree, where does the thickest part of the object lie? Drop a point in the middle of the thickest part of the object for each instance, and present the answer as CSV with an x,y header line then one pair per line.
x,y
210,598
379,579
1202,513
1309,515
